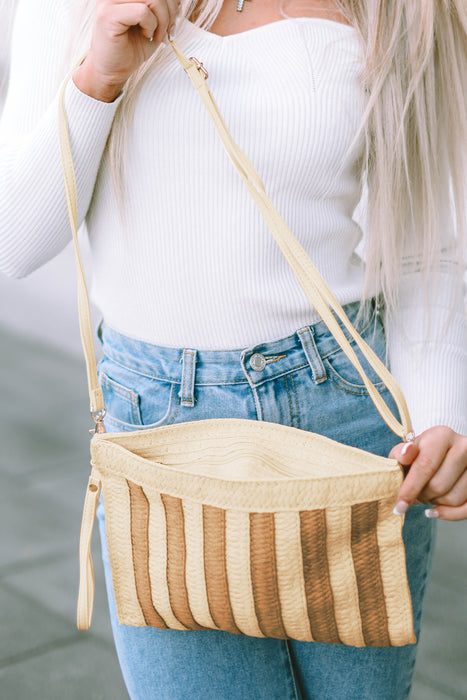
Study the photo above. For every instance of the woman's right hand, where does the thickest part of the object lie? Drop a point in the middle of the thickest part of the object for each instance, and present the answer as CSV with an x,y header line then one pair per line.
x,y
121,42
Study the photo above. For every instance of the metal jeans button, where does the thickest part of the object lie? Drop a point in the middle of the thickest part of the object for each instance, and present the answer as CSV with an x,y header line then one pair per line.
x,y
257,362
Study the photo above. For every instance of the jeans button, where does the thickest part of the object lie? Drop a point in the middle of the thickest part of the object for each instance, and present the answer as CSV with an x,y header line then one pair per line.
x,y
257,362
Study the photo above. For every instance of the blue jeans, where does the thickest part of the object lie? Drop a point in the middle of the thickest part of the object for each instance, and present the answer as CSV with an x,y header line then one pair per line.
x,y
305,381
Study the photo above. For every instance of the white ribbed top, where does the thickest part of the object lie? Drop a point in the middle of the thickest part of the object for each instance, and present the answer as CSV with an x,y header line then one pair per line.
x,y
193,264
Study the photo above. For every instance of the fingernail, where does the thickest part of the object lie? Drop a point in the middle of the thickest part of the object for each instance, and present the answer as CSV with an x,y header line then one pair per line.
x,y
431,513
401,508
405,447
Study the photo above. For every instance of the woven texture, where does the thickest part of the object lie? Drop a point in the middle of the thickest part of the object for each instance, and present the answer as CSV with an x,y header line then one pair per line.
x,y
310,551
243,526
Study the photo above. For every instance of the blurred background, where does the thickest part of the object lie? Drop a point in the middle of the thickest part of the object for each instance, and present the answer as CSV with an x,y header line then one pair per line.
x,y
44,466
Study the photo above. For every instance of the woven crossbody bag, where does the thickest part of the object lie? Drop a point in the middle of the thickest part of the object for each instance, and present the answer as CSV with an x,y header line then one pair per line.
x,y
240,525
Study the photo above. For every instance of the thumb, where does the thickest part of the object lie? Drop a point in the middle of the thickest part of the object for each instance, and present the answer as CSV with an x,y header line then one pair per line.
x,y
405,453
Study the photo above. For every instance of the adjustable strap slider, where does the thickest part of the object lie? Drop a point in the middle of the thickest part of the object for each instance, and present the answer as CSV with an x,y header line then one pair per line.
x,y
201,69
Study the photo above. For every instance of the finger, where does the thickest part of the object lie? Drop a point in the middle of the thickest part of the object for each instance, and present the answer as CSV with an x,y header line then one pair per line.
x,y
431,454
455,496
405,453
448,485
127,15
174,8
164,11
453,513
161,11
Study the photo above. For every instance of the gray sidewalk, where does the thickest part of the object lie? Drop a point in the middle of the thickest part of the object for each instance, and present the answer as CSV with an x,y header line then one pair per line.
x,y
44,469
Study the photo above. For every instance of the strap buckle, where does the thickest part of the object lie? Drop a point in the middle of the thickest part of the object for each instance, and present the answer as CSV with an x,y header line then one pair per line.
x,y
200,67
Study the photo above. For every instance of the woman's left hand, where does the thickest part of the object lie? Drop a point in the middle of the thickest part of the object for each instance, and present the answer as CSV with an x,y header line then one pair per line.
x,y
437,474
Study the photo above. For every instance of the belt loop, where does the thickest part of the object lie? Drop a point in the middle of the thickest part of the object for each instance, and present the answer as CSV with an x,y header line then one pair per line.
x,y
307,339
187,388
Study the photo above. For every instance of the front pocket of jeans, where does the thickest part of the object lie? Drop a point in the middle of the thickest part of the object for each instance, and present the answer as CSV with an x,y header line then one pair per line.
x,y
353,387
146,403
343,374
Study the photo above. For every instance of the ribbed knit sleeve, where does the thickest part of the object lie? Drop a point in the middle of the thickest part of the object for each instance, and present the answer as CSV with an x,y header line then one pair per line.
x,y
33,221
428,351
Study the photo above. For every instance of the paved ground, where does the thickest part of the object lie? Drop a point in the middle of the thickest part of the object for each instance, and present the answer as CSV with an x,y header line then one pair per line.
x,y
43,472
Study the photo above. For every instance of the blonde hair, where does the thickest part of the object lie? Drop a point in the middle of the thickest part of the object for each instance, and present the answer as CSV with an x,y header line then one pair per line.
x,y
415,127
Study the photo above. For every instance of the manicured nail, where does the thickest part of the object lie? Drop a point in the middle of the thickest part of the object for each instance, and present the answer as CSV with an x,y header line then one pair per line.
x,y
401,508
431,513
173,28
405,447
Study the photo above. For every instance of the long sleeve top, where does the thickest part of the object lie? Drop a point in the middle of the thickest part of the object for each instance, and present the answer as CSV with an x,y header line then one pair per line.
x,y
191,263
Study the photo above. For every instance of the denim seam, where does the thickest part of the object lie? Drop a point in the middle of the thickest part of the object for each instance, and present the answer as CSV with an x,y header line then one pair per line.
x,y
295,690
124,393
338,348
306,365
356,389
290,400
169,408
258,403
297,403
141,374
169,422
173,380
138,422
110,356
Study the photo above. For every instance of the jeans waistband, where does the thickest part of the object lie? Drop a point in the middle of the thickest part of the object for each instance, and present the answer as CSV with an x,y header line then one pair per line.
x,y
256,363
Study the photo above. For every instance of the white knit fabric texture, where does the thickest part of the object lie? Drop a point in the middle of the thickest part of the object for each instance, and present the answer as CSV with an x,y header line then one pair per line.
x,y
193,264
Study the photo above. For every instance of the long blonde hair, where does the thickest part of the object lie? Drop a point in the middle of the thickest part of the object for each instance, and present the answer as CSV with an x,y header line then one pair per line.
x,y
415,127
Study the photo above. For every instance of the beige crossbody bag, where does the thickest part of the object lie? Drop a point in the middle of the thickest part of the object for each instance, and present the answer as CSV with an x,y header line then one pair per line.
x,y
245,526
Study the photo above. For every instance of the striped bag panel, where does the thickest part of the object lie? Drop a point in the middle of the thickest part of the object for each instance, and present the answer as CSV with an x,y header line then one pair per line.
x,y
312,576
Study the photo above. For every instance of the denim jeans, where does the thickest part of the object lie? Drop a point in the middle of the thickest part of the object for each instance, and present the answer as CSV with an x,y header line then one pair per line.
x,y
305,381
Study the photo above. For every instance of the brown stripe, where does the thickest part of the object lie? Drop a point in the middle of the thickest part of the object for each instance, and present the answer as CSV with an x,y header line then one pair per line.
x,y
365,554
139,509
176,559
215,567
264,575
318,589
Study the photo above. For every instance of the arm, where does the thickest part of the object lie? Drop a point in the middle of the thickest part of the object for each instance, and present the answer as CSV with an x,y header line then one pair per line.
x,y
33,220
428,356
428,352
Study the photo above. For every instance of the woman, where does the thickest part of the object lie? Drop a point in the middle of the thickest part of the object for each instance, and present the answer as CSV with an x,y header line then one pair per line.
x,y
202,318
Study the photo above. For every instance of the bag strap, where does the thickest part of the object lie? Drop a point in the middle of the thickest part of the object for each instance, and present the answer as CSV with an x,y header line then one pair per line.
x,y
314,286
96,398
